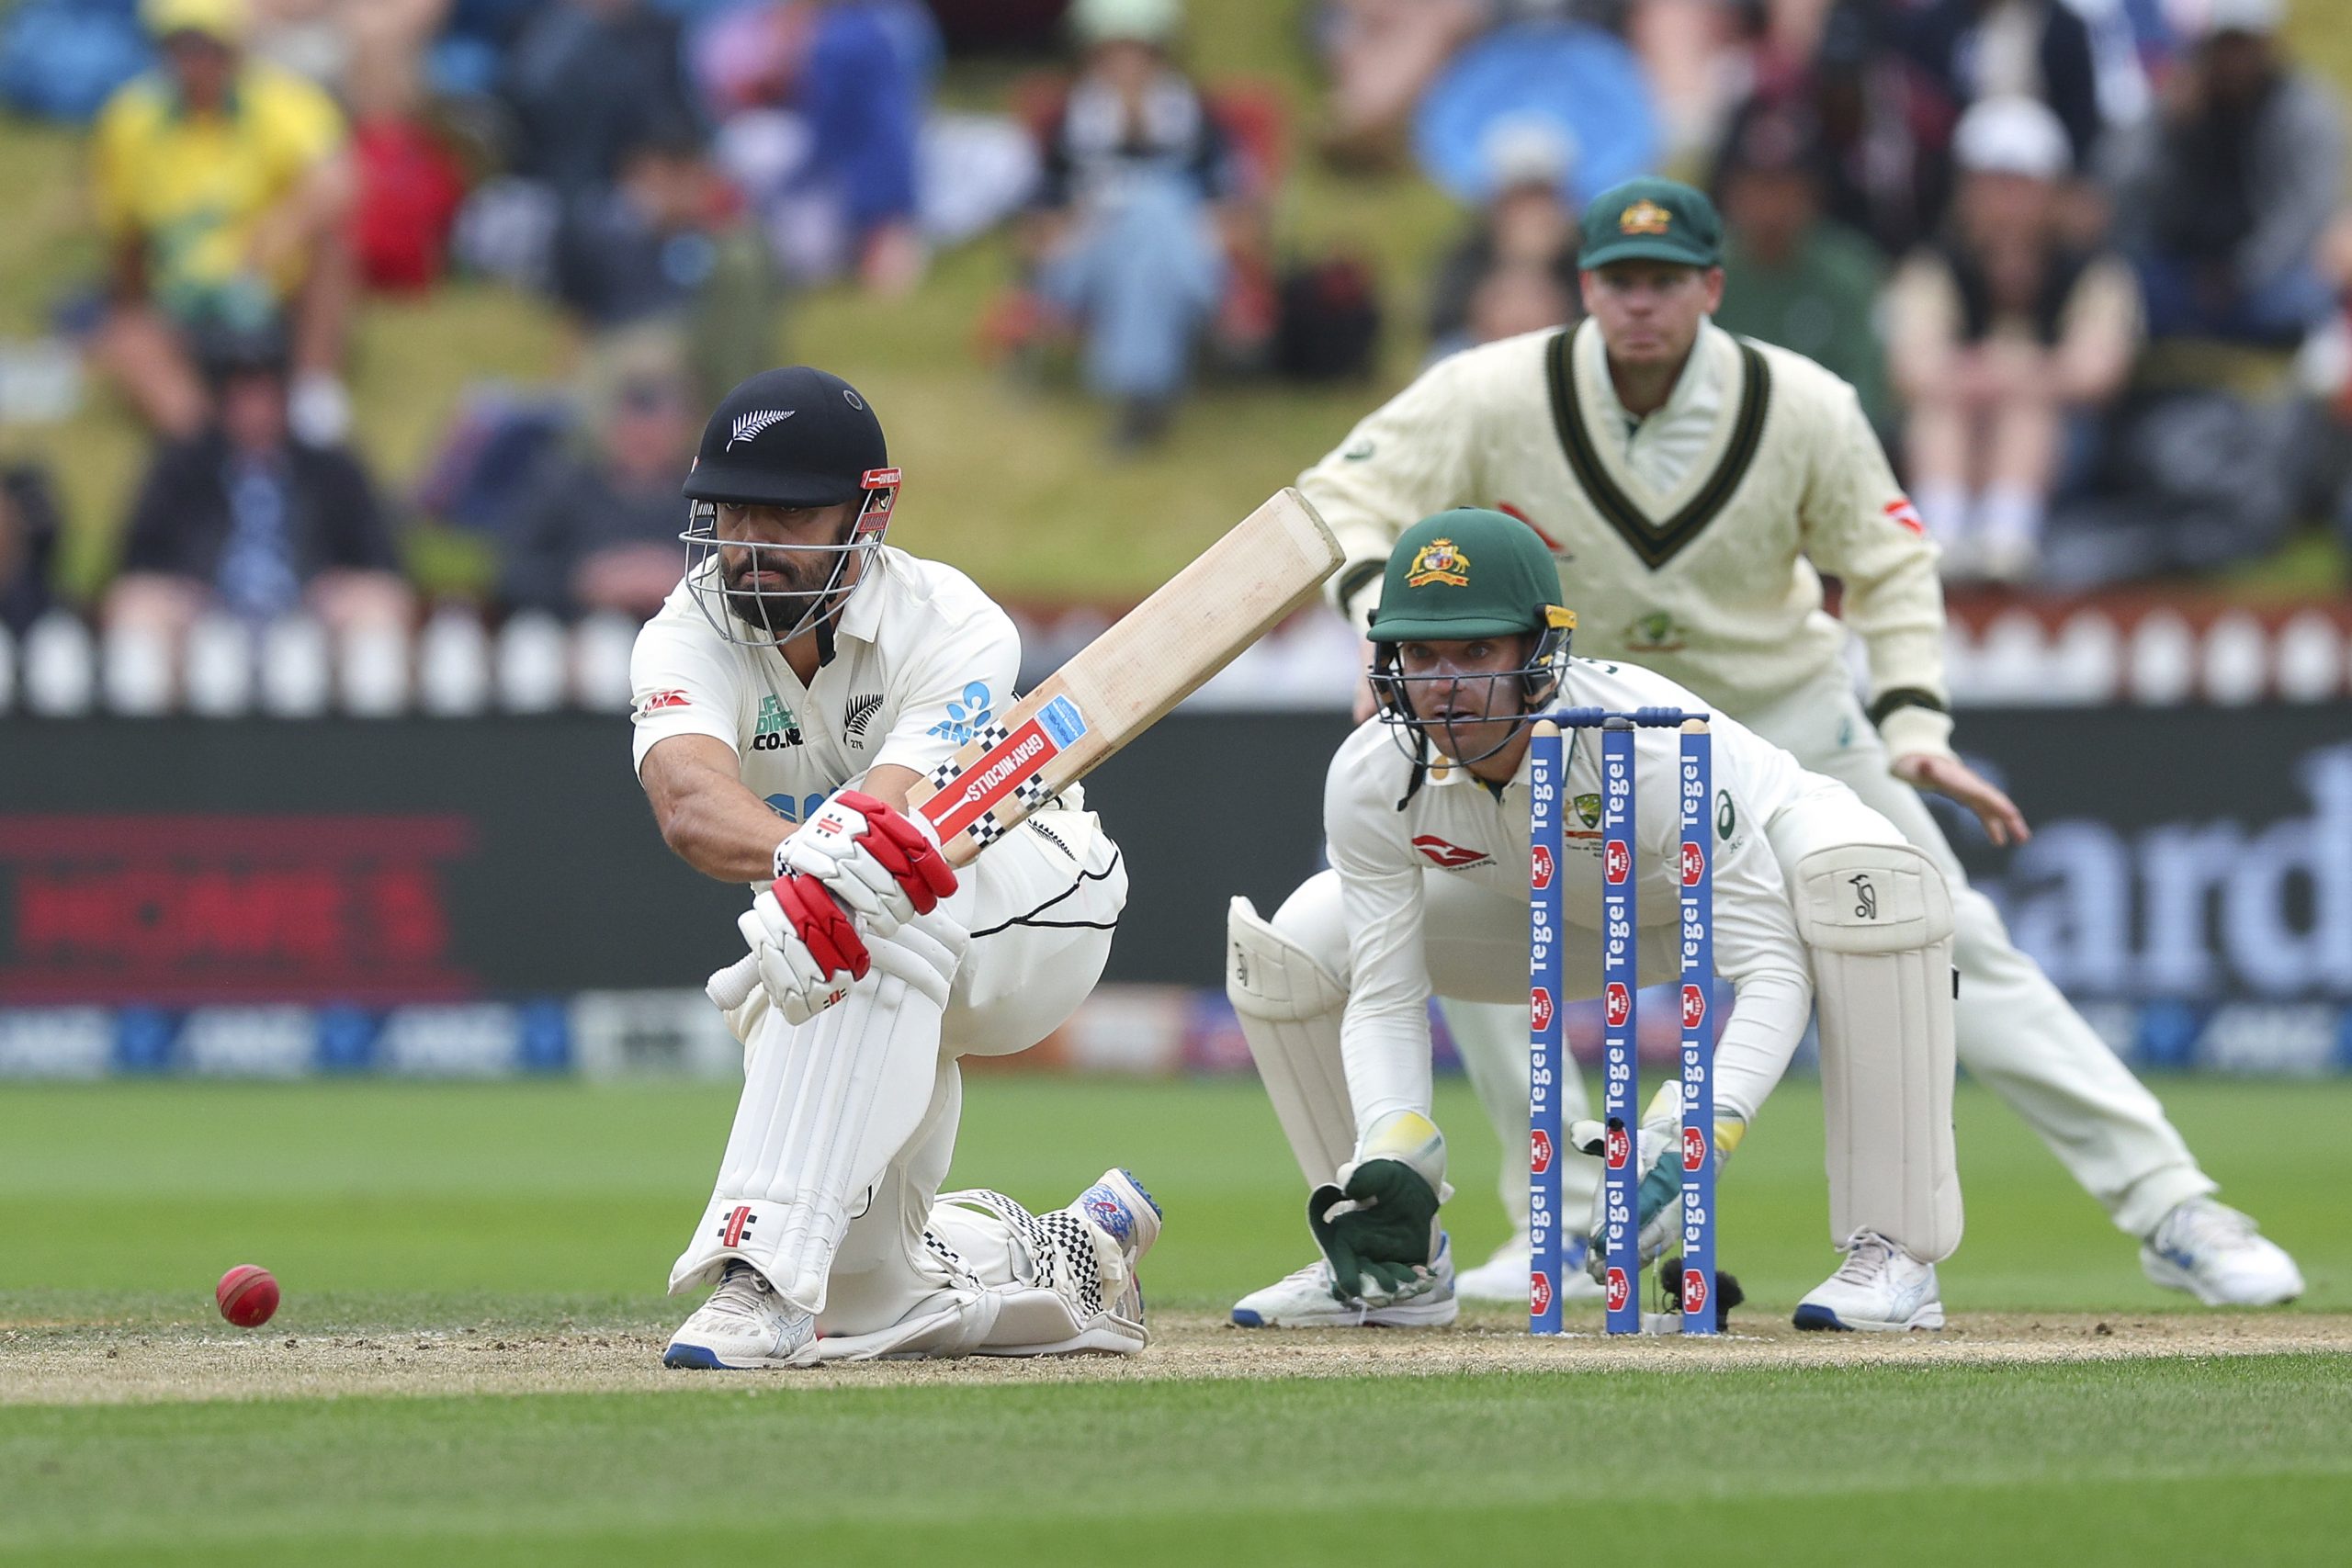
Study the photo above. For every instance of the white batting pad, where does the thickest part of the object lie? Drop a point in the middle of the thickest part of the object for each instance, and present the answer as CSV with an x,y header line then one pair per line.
x,y
1878,920
1289,1006
826,1106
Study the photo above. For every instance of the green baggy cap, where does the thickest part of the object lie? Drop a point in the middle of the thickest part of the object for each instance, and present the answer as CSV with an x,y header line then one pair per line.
x,y
1651,220
1468,573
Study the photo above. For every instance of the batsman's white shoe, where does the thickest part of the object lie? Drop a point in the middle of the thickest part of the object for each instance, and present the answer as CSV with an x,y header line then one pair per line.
x,y
1304,1300
1501,1280
1119,1206
2216,1255
745,1325
1880,1287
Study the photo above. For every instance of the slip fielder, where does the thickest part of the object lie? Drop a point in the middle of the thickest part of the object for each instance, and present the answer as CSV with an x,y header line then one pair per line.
x,y
798,684
1692,487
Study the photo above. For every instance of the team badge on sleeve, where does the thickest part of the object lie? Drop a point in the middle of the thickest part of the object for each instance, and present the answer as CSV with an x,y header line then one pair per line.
x,y
1438,561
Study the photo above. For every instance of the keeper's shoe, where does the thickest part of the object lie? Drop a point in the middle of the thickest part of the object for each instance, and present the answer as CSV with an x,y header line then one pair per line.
x,y
1880,1287
2216,1255
1501,1280
744,1325
1304,1300
1119,1208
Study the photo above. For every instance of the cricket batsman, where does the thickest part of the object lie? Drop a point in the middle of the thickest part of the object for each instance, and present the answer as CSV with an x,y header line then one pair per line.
x,y
1425,815
1692,487
800,679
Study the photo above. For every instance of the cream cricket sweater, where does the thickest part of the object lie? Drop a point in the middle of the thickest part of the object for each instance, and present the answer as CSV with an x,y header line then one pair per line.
x,y
1711,582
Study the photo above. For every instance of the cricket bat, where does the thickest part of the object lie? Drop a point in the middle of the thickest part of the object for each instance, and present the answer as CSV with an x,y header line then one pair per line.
x,y
1122,683
1116,687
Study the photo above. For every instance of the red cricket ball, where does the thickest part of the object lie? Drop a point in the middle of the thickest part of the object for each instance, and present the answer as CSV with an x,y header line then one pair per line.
x,y
247,1295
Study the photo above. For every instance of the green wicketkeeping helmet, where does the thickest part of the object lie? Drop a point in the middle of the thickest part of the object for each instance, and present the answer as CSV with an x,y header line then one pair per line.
x,y
1467,573
1456,577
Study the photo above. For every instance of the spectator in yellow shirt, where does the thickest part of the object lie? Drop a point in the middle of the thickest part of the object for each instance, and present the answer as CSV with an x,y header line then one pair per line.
x,y
222,186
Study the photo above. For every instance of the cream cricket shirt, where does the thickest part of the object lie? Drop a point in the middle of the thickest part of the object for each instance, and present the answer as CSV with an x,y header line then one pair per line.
x,y
921,657
1455,825
1687,542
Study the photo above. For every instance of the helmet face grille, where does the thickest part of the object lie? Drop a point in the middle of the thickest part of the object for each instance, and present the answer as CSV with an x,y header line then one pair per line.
x,y
1532,685
753,616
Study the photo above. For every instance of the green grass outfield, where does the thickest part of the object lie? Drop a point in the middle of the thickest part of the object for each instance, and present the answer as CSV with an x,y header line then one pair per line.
x,y
424,1209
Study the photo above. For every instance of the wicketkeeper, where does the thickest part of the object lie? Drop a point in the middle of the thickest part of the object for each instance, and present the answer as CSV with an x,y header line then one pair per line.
x,y
1425,813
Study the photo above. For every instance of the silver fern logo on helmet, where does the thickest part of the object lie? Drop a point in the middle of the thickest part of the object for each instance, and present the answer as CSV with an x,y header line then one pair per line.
x,y
751,424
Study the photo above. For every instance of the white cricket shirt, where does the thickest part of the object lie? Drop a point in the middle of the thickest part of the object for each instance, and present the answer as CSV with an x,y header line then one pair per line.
x,y
1457,825
921,657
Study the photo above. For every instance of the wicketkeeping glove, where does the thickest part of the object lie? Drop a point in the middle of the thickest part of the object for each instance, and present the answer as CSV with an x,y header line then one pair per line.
x,y
1376,1232
883,864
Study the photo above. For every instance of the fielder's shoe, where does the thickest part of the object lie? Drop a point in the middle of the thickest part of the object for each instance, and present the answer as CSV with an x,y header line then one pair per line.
x,y
1119,1206
744,1325
2214,1253
1501,1280
1304,1300
1880,1287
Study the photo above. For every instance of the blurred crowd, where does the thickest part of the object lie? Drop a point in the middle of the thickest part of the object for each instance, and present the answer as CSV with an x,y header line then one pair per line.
x,y
2085,260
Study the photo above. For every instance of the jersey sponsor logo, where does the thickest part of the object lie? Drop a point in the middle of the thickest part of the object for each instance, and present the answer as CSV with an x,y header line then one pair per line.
x,y
1726,820
861,712
1616,861
965,714
796,807
1507,510
1004,768
1450,857
777,729
1654,633
747,427
1900,511
1358,451
1437,562
656,701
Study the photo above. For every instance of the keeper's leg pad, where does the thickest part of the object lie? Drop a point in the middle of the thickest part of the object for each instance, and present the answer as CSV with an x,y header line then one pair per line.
x,y
826,1107
1289,1006
1878,918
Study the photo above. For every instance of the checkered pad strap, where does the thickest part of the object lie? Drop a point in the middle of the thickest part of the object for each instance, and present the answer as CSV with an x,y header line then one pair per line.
x,y
1059,1244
